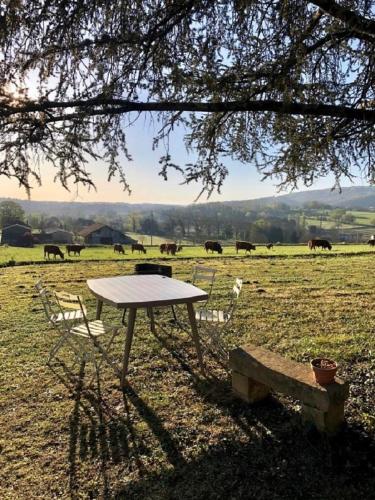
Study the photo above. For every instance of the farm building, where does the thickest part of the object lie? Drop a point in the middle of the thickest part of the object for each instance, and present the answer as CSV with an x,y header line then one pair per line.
x,y
16,235
101,234
57,235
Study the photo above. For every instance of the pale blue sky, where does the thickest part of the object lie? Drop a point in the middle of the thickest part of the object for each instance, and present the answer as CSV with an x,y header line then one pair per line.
x,y
243,182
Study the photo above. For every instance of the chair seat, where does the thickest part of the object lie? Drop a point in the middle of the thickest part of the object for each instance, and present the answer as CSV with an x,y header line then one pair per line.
x,y
97,328
212,315
73,315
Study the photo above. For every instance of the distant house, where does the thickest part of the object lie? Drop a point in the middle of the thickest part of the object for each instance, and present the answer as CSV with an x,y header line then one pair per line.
x,y
18,235
57,235
101,234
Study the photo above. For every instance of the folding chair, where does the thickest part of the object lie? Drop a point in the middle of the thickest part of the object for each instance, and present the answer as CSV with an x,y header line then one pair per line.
x,y
88,333
205,275
215,321
56,317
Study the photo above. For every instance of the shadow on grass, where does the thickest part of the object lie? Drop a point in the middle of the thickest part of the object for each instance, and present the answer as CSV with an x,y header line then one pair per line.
x,y
269,456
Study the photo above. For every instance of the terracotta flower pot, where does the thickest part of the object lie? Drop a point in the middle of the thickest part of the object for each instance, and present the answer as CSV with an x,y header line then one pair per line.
x,y
324,370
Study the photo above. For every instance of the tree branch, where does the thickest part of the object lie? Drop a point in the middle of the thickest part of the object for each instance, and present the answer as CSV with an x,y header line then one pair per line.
x,y
120,106
353,20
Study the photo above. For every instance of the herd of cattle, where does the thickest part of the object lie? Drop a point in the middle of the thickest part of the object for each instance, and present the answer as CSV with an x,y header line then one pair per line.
x,y
173,248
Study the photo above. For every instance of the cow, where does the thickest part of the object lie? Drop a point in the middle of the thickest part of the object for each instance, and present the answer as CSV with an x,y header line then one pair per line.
x,y
171,248
316,243
269,246
371,242
244,245
54,250
179,248
163,247
118,248
76,249
139,247
214,246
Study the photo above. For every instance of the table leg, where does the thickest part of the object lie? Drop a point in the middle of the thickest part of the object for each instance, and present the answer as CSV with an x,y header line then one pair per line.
x,y
150,313
194,331
128,343
99,307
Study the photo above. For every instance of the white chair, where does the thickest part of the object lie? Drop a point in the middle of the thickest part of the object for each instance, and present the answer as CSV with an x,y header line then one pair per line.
x,y
88,334
56,317
205,277
215,321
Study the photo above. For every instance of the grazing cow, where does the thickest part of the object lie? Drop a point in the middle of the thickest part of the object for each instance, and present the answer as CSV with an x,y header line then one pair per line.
x,y
324,244
163,247
118,248
269,246
371,242
171,248
179,248
214,246
139,247
52,249
244,245
76,249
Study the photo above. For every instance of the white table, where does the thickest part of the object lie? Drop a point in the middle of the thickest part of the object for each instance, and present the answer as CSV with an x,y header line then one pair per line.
x,y
146,291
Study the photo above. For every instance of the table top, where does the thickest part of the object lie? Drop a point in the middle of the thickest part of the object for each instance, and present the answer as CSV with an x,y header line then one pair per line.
x,y
144,291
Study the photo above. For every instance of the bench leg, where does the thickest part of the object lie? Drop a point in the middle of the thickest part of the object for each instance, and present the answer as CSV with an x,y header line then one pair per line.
x,y
328,421
248,389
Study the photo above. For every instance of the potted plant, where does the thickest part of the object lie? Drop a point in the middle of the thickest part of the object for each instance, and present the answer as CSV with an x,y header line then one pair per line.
x,y
324,370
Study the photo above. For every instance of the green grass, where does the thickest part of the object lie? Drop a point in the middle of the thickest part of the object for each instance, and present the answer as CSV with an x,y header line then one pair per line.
x,y
106,253
174,433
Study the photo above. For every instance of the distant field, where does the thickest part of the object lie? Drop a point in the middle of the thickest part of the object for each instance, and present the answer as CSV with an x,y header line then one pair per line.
x,y
106,253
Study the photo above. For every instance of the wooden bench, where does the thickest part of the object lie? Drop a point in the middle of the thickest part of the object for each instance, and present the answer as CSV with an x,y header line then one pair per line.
x,y
256,370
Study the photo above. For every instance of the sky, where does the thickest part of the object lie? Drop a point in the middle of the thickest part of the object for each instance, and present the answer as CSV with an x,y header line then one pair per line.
x,y
243,181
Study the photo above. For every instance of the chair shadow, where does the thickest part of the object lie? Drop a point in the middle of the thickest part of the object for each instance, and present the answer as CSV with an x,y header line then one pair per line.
x,y
100,431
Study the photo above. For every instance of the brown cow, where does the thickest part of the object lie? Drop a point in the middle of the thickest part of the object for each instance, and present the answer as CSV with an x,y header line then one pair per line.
x,y
269,246
139,247
52,249
171,248
76,249
245,245
118,248
316,243
163,247
214,246
179,248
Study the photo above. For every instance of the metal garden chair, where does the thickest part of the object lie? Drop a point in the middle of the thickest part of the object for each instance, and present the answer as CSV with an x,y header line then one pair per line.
x,y
204,276
88,334
56,317
216,321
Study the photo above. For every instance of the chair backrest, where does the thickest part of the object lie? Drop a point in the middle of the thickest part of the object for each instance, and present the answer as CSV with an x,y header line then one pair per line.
x,y
147,268
202,274
45,297
236,290
66,301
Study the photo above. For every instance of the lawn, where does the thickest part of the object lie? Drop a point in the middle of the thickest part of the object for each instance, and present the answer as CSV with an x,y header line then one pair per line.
x,y
99,253
173,433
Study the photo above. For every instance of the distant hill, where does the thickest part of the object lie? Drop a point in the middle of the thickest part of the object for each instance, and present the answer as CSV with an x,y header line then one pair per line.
x,y
356,197
83,209
360,197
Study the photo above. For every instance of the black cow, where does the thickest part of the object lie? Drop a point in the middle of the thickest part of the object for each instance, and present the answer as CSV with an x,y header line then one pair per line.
x,y
76,249
324,244
52,249
244,245
214,246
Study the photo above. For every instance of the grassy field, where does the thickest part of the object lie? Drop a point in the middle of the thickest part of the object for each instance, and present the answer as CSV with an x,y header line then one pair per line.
x,y
22,255
173,433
